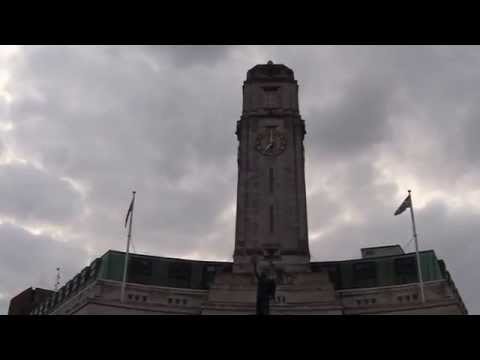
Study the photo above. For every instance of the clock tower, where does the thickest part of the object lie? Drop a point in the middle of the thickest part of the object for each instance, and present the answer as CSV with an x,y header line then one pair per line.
x,y
271,222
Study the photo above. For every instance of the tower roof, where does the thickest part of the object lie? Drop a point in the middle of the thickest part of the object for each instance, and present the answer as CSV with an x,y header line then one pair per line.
x,y
270,72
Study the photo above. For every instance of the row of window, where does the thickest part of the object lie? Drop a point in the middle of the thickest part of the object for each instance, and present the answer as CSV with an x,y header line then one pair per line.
x,y
280,299
177,301
143,298
407,298
366,301
137,297
178,273
365,273
401,298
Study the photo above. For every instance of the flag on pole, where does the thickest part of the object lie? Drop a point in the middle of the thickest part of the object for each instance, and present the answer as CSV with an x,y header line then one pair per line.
x,y
125,267
407,203
129,212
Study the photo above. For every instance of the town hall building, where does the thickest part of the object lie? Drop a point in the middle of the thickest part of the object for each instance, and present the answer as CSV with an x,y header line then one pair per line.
x,y
271,231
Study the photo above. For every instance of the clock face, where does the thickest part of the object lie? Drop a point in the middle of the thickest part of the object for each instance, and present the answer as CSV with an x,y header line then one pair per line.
x,y
270,142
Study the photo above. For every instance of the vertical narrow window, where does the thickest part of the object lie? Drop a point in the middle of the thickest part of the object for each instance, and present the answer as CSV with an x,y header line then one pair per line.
x,y
271,218
271,180
272,99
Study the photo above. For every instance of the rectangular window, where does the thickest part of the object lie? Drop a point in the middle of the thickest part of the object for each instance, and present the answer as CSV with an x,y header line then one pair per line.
x,y
365,274
271,180
208,276
139,270
406,270
271,218
272,98
142,267
179,274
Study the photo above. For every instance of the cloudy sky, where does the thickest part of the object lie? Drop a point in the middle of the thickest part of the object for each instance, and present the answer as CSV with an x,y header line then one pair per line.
x,y
81,126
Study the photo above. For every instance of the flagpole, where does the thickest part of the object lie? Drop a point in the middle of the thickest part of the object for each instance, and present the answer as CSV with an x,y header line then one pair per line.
x,y
125,267
420,277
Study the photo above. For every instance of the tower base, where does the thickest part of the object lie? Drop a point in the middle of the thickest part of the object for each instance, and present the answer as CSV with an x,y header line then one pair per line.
x,y
289,263
296,294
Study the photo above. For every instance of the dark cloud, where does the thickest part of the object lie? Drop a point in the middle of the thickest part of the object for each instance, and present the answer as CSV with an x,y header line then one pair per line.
x,y
355,123
161,120
193,55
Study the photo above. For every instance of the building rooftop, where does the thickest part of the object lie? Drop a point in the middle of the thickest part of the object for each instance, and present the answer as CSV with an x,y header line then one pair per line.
x,y
377,251
390,266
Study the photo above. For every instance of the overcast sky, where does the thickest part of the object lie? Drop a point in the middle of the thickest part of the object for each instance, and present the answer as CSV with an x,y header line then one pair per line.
x,y
82,126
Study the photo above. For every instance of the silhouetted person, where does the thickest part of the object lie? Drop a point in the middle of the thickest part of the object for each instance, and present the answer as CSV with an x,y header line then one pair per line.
x,y
265,291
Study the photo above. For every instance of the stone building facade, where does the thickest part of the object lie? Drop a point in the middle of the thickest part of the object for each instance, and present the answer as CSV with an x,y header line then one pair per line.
x,y
378,284
28,300
272,232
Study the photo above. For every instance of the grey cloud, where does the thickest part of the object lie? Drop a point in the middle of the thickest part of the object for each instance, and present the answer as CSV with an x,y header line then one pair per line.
x,y
354,124
322,210
4,303
28,260
350,189
161,120
470,141
191,55
32,195
144,109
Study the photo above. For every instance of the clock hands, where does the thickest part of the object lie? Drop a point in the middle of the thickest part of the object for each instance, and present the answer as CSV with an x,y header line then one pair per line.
x,y
268,147
271,141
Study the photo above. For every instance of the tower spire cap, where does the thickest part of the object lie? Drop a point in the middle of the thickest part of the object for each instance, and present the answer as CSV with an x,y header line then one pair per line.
x,y
270,72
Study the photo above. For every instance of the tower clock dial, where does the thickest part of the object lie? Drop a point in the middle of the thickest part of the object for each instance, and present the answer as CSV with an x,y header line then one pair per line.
x,y
270,142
